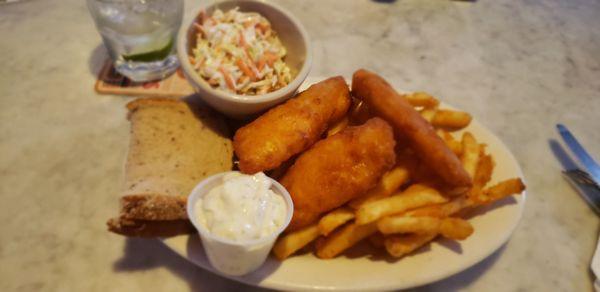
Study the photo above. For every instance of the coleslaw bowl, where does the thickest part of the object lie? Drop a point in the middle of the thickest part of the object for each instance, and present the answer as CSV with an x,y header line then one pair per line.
x,y
292,35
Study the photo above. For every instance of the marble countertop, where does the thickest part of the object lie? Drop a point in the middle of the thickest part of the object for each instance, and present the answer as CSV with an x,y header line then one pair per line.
x,y
519,66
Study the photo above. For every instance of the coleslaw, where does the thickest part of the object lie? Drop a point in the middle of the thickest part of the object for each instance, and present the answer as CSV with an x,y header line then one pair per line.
x,y
239,52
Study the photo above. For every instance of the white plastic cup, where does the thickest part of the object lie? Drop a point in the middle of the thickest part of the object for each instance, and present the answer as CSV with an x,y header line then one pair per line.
x,y
231,257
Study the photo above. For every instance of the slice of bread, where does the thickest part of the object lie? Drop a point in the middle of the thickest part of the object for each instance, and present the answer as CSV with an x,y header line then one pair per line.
x,y
174,145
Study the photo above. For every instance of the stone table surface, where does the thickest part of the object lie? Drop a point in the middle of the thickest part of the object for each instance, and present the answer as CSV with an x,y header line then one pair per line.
x,y
518,66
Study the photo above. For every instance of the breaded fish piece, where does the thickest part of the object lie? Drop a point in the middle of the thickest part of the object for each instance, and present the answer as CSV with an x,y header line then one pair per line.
x,y
338,169
409,124
292,127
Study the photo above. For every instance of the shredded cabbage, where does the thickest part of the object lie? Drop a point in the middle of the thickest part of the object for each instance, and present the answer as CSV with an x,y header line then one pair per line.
x,y
239,52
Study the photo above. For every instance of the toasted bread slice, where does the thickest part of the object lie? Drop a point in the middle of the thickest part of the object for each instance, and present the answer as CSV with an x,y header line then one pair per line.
x,y
174,145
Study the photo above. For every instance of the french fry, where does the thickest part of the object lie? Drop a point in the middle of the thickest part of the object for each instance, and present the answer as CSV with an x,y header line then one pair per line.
x,y
422,99
435,210
456,228
441,210
453,144
340,125
513,186
429,113
485,168
451,119
470,153
401,245
389,183
483,175
334,219
402,224
343,239
453,228
413,197
294,241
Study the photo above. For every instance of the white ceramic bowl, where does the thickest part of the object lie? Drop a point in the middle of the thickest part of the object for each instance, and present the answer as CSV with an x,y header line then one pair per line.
x,y
235,257
292,35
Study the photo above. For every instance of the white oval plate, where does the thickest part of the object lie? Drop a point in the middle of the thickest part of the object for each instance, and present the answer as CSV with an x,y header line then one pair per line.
x,y
438,260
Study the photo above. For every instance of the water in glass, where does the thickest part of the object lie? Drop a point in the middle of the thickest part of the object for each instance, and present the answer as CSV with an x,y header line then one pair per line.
x,y
139,35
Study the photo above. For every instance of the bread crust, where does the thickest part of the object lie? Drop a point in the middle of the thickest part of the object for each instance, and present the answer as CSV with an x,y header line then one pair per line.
x,y
144,228
153,207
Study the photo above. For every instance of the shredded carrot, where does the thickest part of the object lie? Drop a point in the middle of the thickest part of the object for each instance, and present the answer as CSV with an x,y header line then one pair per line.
x,y
242,65
228,78
242,41
252,67
271,58
261,63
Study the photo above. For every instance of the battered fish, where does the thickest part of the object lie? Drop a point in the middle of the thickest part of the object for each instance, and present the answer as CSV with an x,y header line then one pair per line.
x,y
338,169
292,127
385,102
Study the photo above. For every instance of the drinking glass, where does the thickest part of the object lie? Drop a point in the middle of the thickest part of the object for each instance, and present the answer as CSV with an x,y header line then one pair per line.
x,y
139,35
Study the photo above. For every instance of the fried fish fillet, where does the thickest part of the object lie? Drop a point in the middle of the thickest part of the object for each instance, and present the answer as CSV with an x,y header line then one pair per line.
x,y
338,169
391,106
292,127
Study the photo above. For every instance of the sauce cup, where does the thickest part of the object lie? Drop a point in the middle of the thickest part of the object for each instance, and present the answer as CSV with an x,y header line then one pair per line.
x,y
232,257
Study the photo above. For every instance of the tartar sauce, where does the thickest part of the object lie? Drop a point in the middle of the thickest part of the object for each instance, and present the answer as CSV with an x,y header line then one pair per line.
x,y
243,207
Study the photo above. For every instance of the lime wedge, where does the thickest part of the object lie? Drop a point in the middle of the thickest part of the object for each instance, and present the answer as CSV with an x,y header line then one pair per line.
x,y
151,56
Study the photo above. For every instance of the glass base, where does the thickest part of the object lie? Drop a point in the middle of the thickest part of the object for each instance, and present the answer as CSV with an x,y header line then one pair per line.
x,y
147,71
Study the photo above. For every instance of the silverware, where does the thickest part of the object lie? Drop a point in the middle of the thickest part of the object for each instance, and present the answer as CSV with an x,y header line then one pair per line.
x,y
586,186
585,183
582,155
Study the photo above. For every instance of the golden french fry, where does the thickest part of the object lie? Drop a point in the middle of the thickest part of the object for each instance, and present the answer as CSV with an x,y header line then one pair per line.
x,y
483,175
451,119
453,144
513,186
413,197
343,239
402,224
340,125
456,205
427,211
456,228
485,167
429,113
422,99
401,245
335,219
389,183
453,228
294,241
470,153
441,210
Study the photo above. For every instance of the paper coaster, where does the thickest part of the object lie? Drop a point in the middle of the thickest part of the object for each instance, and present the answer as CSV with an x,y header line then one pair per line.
x,y
112,82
